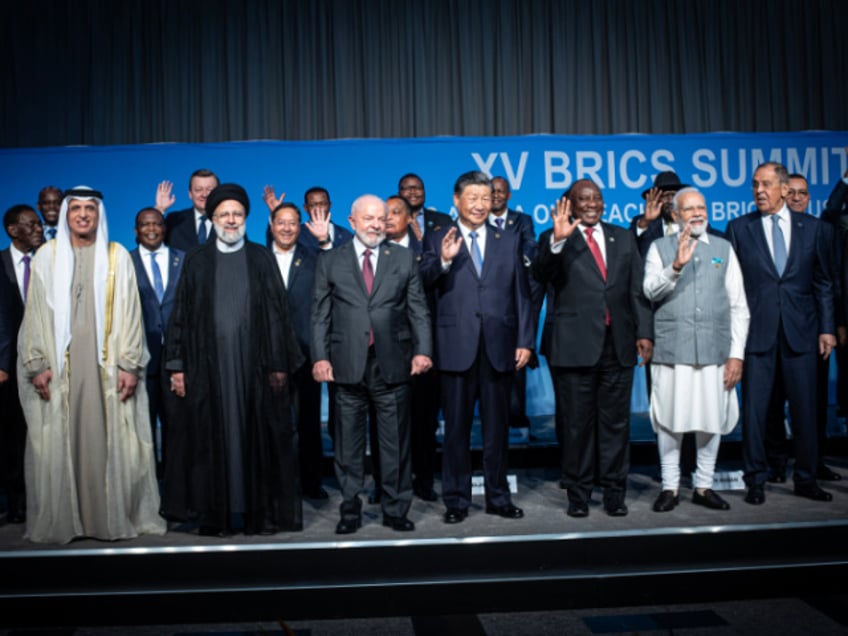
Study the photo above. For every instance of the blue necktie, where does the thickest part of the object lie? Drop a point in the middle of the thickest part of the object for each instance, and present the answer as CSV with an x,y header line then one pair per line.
x,y
500,223
50,232
779,245
201,232
158,286
476,256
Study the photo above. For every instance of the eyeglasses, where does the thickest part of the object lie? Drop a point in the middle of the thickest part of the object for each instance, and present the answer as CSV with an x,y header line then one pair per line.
x,y
226,216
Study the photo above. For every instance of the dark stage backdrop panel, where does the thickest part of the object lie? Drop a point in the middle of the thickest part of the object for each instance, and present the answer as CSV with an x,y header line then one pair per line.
x,y
141,71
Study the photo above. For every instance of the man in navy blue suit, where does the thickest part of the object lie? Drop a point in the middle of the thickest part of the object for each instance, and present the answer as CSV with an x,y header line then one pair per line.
x,y
785,263
411,188
157,271
297,267
25,229
483,334
186,229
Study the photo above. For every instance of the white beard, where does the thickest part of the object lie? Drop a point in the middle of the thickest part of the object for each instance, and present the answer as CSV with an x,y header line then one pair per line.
x,y
230,237
698,230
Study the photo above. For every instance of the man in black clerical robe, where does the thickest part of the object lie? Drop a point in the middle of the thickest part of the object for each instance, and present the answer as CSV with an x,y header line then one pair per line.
x,y
230,349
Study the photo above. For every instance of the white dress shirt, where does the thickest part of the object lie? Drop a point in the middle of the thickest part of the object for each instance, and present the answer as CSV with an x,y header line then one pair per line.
x,y
284,261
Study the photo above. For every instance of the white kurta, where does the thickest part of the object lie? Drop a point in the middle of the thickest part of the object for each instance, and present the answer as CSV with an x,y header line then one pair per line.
x,y
687,398
129,487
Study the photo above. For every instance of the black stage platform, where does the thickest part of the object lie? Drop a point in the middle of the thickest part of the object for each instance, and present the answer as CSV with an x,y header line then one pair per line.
x,y
788,546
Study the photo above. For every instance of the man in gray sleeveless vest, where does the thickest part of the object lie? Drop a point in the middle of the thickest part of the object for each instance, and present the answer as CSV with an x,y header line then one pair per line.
x,y
700,327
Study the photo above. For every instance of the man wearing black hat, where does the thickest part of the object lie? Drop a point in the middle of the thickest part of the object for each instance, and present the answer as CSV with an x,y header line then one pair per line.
x,y
230,349
658,219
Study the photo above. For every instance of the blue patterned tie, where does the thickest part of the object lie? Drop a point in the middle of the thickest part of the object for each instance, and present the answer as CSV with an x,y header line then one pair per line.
x,y
201,232
158,286
50,232
476,256
779,245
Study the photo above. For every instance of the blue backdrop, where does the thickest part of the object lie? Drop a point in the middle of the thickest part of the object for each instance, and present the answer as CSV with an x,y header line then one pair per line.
x,y
539,168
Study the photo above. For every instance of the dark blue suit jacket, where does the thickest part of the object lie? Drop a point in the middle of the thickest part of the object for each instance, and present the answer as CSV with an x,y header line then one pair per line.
x,y
180,232
340,237
155,315
802,299
497,302
11,313
299,295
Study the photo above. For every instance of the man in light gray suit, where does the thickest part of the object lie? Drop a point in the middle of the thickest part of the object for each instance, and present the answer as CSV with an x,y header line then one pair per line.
x,y
370,334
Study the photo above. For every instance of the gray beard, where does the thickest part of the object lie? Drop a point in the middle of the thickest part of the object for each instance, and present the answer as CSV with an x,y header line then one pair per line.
x,y
698,230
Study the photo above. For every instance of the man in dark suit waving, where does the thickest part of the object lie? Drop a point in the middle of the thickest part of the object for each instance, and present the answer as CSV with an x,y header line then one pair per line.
x,y
370,334
785,264
186,229
157,271
601,321
483,334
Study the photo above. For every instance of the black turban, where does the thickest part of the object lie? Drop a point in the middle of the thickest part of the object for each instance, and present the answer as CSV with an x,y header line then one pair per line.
x,y
226,192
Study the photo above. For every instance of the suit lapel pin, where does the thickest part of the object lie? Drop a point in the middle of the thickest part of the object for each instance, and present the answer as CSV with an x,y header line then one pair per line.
x,y
612,239
510,222
297,263
387,251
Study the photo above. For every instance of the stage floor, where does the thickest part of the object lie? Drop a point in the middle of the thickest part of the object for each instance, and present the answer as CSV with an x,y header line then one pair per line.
x,y
690,554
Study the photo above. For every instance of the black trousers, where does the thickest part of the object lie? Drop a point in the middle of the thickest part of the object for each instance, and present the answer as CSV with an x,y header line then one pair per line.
x,y
595,406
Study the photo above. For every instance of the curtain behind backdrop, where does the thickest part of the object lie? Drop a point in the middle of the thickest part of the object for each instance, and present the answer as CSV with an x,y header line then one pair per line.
x,y
139,71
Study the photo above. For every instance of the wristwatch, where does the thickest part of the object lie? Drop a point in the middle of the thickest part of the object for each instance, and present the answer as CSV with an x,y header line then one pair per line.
x,y
324,242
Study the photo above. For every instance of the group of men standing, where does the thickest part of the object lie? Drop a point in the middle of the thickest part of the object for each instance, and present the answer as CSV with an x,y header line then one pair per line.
x,y
411,312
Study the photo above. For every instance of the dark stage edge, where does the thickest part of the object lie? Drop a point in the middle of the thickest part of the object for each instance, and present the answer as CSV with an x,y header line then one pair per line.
x,y
787,547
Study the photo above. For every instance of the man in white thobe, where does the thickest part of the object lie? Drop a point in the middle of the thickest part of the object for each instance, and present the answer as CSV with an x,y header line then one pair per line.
x,y
89,463
701,324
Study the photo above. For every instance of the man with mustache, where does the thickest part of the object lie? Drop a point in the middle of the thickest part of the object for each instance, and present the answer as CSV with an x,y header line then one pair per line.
x,y
90,470
700,325
230,350
370,336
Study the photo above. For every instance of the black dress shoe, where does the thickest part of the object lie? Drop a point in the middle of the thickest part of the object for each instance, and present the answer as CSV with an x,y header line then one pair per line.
x,y
812,491
507,511
666,501
616,508
320,493
455,515
375,497
426,493
776,478
824,473
756,495
210,531
577,509
349,525
400,524
710,499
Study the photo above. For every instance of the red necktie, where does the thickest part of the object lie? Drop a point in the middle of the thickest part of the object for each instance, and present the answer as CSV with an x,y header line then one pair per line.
x,y
368,275
599,261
